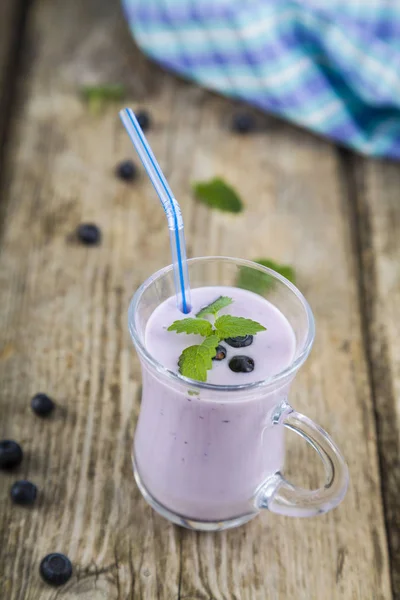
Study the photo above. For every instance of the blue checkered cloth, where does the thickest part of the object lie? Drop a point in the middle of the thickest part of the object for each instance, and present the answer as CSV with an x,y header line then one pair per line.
x,y
332,66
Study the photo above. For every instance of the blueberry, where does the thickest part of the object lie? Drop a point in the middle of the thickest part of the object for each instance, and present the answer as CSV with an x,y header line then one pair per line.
x,y
23,492
10,454
243,123
126,170
56,569
89,234
143,118
42,405
240,341
241,364
221,353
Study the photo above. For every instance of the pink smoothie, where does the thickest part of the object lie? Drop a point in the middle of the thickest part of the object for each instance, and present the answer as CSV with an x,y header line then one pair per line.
x,y
204,456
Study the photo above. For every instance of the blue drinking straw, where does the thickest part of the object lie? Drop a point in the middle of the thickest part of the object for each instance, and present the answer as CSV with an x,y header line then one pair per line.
x,y
170,206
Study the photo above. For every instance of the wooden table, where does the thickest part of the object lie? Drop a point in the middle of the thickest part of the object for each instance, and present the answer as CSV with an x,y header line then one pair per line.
x,y
333,215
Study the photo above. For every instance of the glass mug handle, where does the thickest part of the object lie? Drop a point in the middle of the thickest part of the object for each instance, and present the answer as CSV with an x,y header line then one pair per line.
x,y
280,496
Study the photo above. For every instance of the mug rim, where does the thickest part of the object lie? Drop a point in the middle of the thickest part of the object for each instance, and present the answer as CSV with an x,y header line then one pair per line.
x,y
177,377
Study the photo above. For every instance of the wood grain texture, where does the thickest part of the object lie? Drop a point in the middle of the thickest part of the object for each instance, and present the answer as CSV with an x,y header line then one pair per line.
x,y
63,331
376,185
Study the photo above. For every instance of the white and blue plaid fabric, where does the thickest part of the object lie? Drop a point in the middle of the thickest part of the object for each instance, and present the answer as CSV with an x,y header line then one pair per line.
x,y
332,66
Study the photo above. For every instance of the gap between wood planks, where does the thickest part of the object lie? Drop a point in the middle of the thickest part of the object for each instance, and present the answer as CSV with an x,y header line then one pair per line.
x,y
14,13
360,227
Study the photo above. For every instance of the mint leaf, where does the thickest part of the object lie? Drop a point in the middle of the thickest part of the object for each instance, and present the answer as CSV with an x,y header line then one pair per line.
x,y
105,91
215,306
199,326
285,270
218,194
259,282
97,96
195,361
210,345
229,326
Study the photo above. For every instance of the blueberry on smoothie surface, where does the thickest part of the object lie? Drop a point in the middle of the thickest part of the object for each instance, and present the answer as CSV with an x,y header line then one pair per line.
x,y
241,364
126,170
23,492
89,234
55,569
240,341
42,405
10,454
220,354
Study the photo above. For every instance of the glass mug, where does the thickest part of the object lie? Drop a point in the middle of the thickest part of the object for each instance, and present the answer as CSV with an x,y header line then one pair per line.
x,y
189,465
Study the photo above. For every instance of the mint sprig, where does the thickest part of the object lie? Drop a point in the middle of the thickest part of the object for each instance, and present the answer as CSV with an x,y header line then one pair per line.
x,y
195,361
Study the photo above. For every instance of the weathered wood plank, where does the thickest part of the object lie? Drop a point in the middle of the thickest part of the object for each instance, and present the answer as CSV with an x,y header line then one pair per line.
x,y
63,330
64,175
377,212
296,214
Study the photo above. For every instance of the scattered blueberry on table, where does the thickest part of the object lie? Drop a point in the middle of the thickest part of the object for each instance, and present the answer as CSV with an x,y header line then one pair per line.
x,y
243,123
10,454
56,569
241,364
126,170
241,341
42,405
23,492
144,119
220,353
89,234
